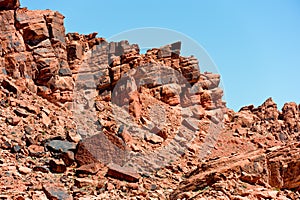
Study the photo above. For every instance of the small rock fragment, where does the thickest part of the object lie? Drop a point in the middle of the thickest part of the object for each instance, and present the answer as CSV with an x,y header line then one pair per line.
x,y
39,195
13,120
36,150
84,182
19,198
21,112
133,186
154,139
122,173
74,136
16,149
60,146
92,168
54,192
109,186
28,130
45,119
24,170
68,157
6,145
57,166
42,169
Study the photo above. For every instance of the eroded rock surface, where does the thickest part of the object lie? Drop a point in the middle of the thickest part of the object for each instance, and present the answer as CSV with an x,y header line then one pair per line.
x,y
83,118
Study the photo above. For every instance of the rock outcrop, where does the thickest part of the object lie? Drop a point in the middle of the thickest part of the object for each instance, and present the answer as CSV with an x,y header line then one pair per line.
x,y
276,167
84,118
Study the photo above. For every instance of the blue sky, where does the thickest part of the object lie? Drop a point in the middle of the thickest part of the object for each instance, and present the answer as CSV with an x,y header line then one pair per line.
x,y
255,44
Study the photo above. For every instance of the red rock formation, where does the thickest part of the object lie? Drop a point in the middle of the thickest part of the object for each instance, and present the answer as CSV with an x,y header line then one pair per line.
x,y
276,167
157,114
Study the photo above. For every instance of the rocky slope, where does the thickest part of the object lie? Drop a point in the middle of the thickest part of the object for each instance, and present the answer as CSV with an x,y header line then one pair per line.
x,y
83,118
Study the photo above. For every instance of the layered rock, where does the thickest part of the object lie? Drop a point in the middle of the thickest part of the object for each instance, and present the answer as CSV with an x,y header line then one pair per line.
x,y
131,86
34,46
276,167
165,131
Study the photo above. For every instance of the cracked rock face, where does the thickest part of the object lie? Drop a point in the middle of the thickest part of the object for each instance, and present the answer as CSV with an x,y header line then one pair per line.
x,y
83,118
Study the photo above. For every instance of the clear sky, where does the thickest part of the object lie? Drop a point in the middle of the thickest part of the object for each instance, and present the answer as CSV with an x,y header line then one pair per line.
x,y
254,43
